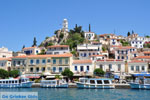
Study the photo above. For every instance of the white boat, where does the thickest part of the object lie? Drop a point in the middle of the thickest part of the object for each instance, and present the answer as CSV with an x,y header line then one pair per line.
x,y
95,83
54,84
15,83
140,83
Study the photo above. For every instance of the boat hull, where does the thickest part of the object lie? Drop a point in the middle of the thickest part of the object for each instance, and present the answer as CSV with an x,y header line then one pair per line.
x,y
21,85
139,86
54,86
93,86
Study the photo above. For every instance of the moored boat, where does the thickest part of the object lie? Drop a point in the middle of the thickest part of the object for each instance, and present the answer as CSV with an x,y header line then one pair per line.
x,y
95,83
140,83
54,84
15,83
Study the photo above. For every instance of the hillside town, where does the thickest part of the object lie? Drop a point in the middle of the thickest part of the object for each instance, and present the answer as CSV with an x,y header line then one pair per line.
x,y
117,55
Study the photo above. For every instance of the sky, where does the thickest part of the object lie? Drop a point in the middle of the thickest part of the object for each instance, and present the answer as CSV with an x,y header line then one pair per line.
x,y
22,20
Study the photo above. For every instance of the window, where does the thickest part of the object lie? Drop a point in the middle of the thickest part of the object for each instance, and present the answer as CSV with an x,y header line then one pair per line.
x,y
92,81
118,57
81,54
101,66
43,61
87,67
37,51
31,69
60,61
110,66
99,81
122,57
119,67
66,61
60,69
31,61
143,68
81,68
75,68
118,51
132,68
106,81
84,54
18,62
37,69
89,54
48,60
43,69
37,61
54,61
137,68
54,69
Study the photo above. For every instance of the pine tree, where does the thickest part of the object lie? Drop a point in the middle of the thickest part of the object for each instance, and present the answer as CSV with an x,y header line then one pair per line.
x,y
89,27
23,47
128,34
132,32
34,42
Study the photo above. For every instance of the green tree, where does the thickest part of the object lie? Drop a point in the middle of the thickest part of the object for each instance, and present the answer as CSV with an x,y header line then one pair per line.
x,y
46,38
34,42
103,48
67,73
61,36
3,74
98,72
57,77
128,34
14,73
132,32
23,47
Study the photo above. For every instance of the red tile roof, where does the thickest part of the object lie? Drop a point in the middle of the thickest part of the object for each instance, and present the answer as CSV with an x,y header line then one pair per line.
x,y
82,61
29,48
126,47
146,52
9,59
44,56
143,57
136,61
110,60
56,46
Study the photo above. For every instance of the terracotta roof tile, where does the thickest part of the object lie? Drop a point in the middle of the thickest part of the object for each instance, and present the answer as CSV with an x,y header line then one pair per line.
x,y
56,46
143,57
82,61
29,48
110,60
136,61
146,52
9,59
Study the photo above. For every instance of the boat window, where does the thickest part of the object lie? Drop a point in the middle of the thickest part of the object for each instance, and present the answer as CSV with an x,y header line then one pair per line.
x,y
22,80
9,81
0,81
12,81
6,81
99,81
92,81
16,81
106,81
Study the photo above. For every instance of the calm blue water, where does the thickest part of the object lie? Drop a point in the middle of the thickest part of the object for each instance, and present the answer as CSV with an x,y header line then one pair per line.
x,y
85,94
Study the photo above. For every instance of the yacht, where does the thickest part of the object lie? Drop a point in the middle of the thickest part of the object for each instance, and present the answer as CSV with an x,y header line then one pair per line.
x,y
54,83
15,83
95,83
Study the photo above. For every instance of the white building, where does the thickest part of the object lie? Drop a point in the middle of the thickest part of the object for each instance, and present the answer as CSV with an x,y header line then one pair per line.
x,y
5,53
82,67
86,50
112,65
5,63
31,50
89,35
58,49
136,66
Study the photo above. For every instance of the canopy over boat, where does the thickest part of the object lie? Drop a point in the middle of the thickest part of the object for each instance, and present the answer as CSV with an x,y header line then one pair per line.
x,y
142,74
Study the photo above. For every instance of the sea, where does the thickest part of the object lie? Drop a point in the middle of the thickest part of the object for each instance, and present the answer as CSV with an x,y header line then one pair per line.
x,y
84,94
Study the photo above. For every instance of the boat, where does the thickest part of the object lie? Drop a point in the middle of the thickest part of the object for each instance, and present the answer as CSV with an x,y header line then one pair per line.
x,y
15,83
95,83
54,84
140,83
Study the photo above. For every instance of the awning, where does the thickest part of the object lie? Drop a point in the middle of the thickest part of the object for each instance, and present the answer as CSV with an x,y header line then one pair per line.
x,y
116,77
50,76
142,74
32,76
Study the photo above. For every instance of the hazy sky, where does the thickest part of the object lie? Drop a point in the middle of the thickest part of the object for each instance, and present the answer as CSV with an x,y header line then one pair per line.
x,y
22,20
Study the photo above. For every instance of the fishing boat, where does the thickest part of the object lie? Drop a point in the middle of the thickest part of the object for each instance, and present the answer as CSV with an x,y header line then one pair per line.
x,y
15,83
140,83
54,84
95,83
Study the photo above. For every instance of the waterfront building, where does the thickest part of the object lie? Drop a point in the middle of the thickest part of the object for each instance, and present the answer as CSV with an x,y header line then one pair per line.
x,y
58,49
5,53
105,38
137,66
86,50
89,35
82,68
32,50
124,52
111,65
46,64
5,63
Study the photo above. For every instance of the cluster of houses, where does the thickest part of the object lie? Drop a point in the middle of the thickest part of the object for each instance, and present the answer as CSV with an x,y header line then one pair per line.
x,y
115,58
